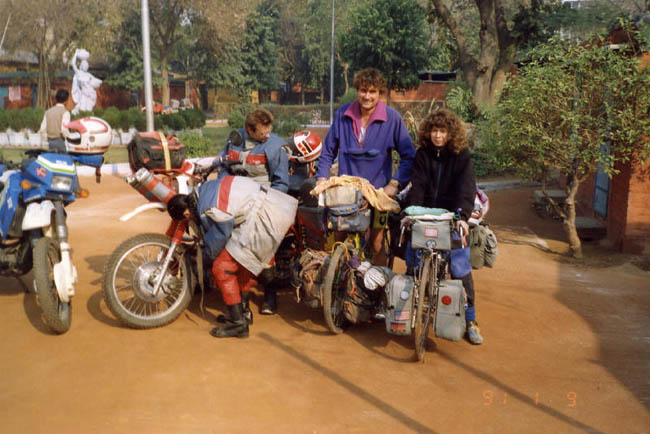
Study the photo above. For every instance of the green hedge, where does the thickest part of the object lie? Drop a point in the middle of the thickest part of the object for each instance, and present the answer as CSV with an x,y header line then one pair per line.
x,y
118,119
21,119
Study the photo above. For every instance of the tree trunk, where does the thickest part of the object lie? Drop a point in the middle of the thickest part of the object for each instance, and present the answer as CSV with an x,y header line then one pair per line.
x,y
165,78
486,73
569,222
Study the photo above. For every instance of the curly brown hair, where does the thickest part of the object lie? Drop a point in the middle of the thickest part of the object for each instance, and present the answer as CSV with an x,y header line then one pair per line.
x,y
369,77
443,118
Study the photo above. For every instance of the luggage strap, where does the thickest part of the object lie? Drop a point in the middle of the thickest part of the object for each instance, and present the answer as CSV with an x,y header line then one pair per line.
x,y
165,145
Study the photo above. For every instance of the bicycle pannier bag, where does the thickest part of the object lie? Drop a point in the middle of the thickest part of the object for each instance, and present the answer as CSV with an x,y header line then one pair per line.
x,y
349,218
399,294
434,235
450,311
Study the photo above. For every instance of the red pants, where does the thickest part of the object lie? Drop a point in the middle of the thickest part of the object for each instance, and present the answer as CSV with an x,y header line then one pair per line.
x,y
231,278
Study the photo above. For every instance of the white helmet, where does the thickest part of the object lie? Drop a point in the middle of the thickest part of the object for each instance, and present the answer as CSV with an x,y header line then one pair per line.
x,y
305,147
88,136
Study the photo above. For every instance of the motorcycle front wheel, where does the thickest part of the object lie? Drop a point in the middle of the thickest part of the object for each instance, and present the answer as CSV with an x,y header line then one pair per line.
x,y
129,276
56,314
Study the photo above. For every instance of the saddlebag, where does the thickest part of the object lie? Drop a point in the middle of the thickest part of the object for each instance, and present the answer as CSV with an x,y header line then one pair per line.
x,y
349,218
399,297
155,151
450,310
308,281
313,229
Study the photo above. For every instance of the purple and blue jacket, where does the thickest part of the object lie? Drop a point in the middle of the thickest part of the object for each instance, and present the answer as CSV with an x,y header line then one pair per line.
x,y
372,158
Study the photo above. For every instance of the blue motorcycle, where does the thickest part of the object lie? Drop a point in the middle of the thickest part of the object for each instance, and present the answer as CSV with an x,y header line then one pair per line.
x,y
33,229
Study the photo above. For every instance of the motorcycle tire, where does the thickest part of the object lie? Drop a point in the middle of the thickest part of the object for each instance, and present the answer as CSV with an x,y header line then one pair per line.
x,y
423,302
334,289
56,314
127,277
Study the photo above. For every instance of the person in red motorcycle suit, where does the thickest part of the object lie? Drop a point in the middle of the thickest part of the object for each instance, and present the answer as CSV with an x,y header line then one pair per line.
x,y
261,156
443,178
243,224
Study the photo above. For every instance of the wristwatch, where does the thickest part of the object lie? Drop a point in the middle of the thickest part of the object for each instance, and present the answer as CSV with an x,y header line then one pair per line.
x,y
394,183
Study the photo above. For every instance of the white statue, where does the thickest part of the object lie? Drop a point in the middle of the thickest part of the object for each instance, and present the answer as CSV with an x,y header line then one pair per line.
x,y
83,83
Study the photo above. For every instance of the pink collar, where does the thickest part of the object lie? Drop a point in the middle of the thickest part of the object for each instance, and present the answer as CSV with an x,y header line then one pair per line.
x,y
354,113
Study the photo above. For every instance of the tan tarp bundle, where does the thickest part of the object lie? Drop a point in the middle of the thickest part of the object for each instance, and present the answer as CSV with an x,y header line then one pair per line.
x,y
375,197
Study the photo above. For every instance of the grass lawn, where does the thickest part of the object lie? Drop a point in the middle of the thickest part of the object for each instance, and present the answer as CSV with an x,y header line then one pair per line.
x,y
118,154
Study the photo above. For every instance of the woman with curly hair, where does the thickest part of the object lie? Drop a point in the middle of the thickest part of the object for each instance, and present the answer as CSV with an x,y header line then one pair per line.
x,y
443,178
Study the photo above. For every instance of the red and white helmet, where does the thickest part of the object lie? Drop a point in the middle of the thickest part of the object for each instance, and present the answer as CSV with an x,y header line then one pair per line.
x,y
305,147
88,135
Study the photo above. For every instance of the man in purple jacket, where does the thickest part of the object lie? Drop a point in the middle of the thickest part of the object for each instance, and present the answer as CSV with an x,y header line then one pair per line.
x,y
363,136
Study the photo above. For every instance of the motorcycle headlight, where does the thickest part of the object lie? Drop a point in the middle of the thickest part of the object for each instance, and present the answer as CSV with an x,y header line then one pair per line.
x,y
61,183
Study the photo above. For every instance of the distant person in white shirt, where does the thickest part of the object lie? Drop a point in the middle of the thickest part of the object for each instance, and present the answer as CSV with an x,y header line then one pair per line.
x,y
53,123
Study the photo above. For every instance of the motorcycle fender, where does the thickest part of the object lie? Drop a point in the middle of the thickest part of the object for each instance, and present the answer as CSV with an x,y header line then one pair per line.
x,y
142,208
38,215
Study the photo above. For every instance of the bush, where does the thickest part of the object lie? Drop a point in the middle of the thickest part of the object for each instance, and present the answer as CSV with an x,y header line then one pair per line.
x,y
287,127
4,120
238,115
349,96
112,116
459,100
194,118
196,144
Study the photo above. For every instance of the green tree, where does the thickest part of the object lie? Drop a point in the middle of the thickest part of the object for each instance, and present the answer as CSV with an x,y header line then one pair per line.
x,y
560,110
261,45
487,35
50,29
390,36
125,59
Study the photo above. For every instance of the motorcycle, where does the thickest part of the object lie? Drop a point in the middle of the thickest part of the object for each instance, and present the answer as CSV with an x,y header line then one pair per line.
x,y
149,278
33,225
138,287
34,230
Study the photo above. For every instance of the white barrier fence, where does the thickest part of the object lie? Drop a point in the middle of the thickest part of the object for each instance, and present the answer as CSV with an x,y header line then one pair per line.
x,y
28,139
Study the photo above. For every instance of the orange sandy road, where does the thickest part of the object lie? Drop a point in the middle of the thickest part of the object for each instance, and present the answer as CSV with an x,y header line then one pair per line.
x,y
567,350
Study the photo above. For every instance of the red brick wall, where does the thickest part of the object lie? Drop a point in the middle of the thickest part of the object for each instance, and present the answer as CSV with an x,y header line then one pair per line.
x,y
107,96
425,92
637,230
617,208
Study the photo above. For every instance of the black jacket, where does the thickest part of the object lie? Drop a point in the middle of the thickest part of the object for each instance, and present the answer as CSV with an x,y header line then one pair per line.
x,y
442,179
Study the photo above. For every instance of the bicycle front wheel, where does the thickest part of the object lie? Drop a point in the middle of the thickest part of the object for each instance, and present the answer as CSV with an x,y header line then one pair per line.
x,y
334,288
423,306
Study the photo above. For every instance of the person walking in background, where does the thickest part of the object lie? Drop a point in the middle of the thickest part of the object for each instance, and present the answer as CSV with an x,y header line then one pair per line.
x,y
363,136
54,121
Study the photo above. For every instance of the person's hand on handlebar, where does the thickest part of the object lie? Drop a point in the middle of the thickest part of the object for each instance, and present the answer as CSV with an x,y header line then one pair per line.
x,y
462,227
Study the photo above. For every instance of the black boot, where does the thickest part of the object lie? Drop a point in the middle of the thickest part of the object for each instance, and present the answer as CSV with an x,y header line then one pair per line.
x,y
248,314
236,326
270,305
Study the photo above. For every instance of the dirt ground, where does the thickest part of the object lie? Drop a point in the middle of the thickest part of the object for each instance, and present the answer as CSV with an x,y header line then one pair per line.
x,y
567,349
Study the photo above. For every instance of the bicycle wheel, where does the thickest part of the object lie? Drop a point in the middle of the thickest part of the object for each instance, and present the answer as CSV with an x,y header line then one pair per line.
x,y
334,288
423,306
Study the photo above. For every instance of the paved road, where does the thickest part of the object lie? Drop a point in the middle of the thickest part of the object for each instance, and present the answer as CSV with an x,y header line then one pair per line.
x,y
567,350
